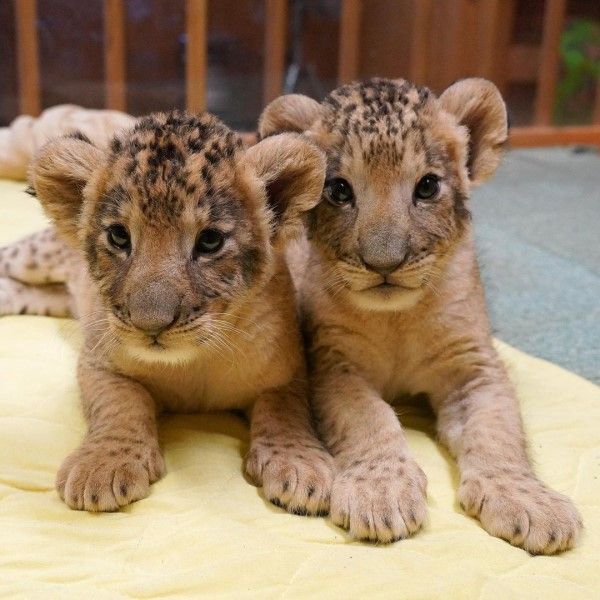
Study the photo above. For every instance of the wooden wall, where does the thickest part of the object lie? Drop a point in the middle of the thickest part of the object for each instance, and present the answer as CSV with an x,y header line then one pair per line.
x,y
430,41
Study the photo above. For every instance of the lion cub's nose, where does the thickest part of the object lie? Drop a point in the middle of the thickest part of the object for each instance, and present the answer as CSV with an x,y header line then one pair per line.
x,y
383,267
154,307
383,250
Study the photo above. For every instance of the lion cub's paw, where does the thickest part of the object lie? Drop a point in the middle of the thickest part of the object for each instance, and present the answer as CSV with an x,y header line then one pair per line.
x,y
293,476
104,476
380,500
521,509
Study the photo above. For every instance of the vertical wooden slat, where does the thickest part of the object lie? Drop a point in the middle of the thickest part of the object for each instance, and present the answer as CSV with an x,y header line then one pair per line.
x,y
495,24
596,116
420,40
457,41
114,54
554,17
195,64
488,24
274,48
349,44
28,64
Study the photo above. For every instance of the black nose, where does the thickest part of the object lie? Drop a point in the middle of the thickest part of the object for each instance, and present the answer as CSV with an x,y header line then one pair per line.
x,y
383,267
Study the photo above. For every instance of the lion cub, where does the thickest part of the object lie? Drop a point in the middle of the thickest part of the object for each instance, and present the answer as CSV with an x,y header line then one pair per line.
x,y
175,267
394,304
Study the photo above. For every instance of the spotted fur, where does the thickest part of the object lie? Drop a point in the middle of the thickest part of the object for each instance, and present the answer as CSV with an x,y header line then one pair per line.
x,y
393,304
167,326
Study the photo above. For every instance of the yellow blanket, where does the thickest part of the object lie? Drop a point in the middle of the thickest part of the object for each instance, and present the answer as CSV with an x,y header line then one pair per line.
x,y
205,532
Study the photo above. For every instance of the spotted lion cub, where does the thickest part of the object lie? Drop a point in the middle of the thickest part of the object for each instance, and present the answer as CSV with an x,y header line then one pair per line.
x,y
175,267
394,305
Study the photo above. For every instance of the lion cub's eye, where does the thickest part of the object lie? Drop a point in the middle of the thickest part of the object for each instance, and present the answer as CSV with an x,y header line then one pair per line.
x,y
339,192
209,241
427,187
118,237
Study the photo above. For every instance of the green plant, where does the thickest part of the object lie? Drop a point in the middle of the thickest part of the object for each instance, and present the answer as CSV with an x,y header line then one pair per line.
x,y
580,62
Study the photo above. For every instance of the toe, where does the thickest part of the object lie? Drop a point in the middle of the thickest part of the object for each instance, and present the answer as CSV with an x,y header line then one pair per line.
x,y
130,483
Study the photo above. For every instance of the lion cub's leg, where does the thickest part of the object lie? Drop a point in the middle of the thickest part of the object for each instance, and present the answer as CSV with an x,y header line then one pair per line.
x,y
17,298
40,258
379,492
32,276
119,457
481,425
285,456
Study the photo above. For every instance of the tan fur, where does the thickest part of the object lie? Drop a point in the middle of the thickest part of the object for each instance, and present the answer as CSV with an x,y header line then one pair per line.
x,y
428,330
167,328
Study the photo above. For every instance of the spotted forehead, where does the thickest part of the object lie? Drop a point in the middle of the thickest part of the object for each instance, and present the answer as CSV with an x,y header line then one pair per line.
x,y
169,160
377,116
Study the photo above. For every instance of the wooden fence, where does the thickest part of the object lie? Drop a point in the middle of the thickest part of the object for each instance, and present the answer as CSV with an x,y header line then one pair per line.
x,y
494,22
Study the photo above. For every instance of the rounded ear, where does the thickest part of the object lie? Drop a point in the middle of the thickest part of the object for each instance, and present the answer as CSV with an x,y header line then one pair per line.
x,y
292,170
292,112
479,107
58,174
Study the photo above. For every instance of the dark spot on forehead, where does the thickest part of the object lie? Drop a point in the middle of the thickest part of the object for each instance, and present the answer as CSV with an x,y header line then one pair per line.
x,y
158,151
78,135
115,145
377,115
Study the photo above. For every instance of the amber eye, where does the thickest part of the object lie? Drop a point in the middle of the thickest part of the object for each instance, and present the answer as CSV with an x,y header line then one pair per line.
x,y
209,241
427,187
118,237
339,192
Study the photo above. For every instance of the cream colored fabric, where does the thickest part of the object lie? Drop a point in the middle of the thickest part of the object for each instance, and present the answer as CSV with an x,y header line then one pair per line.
x,y
205,532
26,134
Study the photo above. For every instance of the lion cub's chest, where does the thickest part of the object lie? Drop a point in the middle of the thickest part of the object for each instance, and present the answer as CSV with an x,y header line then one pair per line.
x,y
201,385
207,382
391,355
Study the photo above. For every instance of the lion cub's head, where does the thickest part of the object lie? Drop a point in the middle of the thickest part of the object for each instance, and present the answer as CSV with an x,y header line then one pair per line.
x,y
400,166
178,221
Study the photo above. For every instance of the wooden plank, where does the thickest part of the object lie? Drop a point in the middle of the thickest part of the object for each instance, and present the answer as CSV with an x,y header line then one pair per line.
x,y
523,63
349,41
420,41
495,22
488,24
28,62
554,17
115,55
195,65
554,136
596,116
456,41
274,48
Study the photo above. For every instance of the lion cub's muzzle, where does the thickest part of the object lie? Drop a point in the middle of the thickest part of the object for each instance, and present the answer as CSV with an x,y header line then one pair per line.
x,y
154,307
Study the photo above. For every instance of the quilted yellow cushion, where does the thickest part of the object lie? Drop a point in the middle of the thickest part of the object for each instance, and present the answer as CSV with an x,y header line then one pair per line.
x,y
205,532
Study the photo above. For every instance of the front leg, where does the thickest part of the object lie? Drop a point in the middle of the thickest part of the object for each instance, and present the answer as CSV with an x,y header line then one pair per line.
x,y
379,493
480,423
119,457
285,456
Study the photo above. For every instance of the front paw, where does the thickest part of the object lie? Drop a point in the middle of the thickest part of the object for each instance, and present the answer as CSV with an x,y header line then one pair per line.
x,y
519,508
294,476
106,474
380,500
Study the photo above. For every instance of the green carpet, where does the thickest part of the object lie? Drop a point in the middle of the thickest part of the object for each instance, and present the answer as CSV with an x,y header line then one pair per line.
x,y
538,236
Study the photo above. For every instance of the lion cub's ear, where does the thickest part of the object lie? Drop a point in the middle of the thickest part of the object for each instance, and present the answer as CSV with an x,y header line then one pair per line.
x,y
478,106
58,174
292,170
292,112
